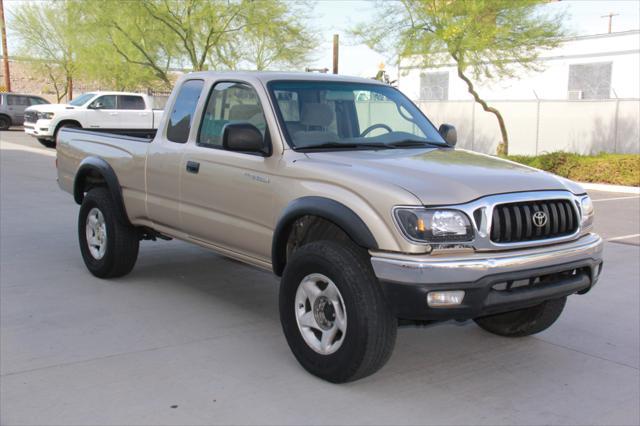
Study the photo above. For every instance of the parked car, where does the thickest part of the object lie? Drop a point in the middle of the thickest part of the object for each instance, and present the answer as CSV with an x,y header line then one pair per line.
x,y
133,113
369,214
12,107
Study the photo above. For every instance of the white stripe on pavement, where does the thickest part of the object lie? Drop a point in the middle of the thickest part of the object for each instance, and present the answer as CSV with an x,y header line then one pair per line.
x,y
615,198
18,147
611,188
624,237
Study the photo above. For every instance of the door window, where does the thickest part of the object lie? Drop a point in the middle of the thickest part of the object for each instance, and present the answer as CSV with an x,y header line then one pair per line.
x,y
37,101
183,110
230,103
18,100
104,102
130,102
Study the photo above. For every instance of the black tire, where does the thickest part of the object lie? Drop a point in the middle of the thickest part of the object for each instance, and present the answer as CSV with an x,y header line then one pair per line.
x,y
371,328
524,322
47,143
5,122
68,126
122,241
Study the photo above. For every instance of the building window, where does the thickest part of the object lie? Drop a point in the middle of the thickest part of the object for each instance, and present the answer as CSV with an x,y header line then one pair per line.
x,y
434,86
590,81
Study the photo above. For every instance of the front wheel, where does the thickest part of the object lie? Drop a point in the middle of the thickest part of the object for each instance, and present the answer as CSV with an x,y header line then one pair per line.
x,y
47,143
333,312
109,248
524,322
5,122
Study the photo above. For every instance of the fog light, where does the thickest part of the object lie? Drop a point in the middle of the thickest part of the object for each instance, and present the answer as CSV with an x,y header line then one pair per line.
x,y
440,299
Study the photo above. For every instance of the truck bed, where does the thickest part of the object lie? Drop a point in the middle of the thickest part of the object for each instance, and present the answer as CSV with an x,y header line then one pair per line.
x,y
124,153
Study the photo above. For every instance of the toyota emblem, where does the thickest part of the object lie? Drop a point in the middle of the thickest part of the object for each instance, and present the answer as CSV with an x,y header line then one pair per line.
x,y
540,219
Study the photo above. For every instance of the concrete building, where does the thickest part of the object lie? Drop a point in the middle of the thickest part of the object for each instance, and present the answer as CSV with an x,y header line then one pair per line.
x,y
600,66
585,100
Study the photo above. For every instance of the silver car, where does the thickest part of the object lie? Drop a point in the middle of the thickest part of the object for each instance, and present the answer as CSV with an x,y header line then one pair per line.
x,y
12,106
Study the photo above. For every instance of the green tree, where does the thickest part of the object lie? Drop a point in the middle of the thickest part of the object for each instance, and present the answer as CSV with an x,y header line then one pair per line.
x,y
201,34
277,35
46,32
486,39
134,45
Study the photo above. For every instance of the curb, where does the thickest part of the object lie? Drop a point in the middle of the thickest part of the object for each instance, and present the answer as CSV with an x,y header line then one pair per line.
x,y
611,188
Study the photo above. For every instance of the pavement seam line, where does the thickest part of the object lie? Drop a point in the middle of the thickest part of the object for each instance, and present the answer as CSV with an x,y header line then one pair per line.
x,y
622,364
99,358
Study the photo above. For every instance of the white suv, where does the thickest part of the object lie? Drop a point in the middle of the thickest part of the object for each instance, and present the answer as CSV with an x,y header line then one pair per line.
x,y
101,111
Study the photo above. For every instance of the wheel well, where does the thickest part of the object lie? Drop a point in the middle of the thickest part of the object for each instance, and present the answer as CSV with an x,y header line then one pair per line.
x,y
65,122
304,230
88,180
7,117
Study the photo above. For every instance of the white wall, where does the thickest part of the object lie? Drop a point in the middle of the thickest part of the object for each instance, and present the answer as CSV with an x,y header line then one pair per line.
x,y
622,49
535,127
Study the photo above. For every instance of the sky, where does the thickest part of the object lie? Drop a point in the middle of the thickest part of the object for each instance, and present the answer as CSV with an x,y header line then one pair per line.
x,y
338,16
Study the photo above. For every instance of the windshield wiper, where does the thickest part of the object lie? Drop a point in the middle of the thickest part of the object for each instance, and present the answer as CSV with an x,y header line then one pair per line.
x,y
408,143
331,145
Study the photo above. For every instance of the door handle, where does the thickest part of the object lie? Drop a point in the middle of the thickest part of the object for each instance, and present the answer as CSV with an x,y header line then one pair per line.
x,y
193,167
113,113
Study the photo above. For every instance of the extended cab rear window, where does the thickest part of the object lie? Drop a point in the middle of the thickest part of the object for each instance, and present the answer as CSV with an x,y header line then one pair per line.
x,y
183,110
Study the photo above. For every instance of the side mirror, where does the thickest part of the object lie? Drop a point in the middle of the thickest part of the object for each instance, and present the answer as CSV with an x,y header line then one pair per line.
x,y
449,134
243,137
97,105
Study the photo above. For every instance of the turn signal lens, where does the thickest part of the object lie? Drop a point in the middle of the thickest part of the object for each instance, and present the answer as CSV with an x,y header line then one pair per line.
x,y
586,205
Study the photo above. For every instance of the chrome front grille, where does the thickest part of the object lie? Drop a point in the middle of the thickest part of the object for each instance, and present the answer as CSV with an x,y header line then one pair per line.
x,y
533,220
504,221
30,116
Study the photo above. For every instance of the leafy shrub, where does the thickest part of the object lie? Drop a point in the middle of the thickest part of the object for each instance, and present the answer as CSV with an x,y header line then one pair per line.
x,y
618,169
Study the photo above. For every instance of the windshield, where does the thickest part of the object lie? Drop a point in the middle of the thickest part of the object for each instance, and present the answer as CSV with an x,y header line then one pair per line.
x,y
82,99
335,115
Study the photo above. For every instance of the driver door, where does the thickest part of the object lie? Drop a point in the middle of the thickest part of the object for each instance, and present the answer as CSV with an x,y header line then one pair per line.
x,y
226,198
102,113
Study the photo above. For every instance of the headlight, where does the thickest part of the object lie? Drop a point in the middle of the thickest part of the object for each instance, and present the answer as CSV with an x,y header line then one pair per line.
x,y
434,226
45,115
586,207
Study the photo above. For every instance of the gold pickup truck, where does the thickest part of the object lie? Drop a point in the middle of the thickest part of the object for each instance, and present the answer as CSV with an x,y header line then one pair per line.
x,y
342,187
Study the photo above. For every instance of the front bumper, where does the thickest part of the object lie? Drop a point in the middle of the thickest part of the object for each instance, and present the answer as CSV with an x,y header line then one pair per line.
x,y
41,129
549,272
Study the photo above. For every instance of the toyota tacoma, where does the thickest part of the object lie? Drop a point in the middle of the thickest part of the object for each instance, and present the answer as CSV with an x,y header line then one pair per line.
x,y
343,188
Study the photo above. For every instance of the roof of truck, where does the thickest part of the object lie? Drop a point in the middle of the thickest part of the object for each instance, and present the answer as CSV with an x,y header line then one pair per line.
x,y
266,76
111,92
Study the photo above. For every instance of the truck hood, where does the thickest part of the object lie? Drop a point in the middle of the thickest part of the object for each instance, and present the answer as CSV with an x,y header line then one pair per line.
x,y
443,176
50,107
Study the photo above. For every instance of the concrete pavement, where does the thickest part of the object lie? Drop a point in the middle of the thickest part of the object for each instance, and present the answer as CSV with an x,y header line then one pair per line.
x,y
190,337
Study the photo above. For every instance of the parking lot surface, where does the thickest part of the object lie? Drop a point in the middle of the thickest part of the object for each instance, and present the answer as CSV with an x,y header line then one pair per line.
x,y
190,337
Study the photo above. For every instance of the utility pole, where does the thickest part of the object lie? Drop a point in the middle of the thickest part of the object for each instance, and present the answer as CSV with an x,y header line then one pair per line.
x,y
610,16
5,51
336,46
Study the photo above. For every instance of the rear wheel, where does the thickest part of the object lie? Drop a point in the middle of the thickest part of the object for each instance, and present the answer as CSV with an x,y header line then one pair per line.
x,y
47,142
5,122
68,125
109,248
524,322
333,312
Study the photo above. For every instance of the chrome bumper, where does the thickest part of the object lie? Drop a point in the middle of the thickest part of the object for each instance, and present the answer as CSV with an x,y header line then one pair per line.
x,y
465,268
